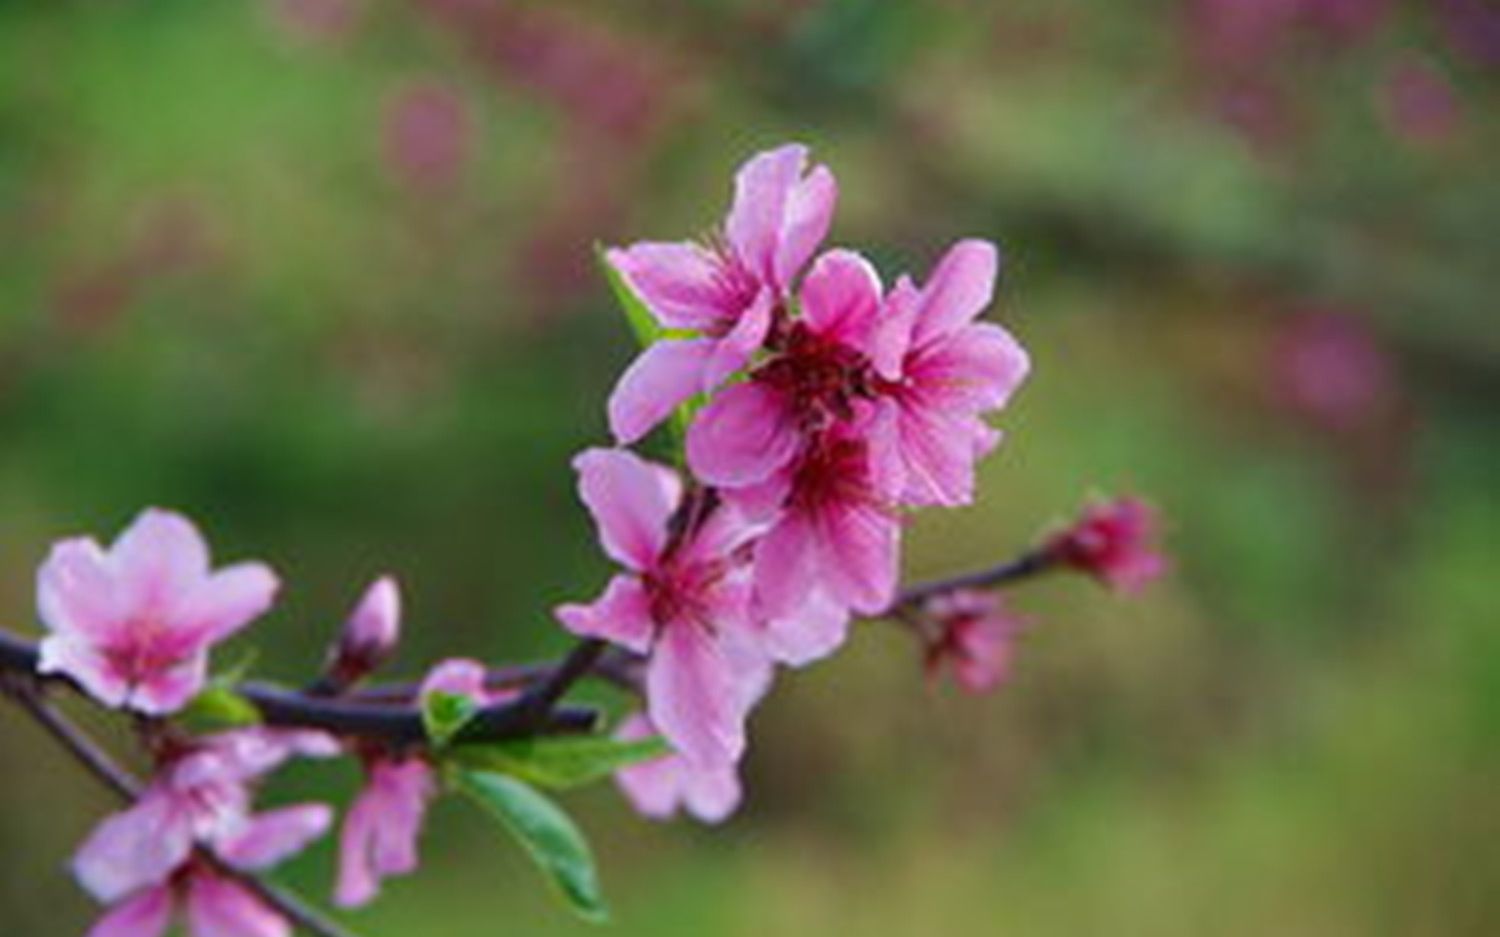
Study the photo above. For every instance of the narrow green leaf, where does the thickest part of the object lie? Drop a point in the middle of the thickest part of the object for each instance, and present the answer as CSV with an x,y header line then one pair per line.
x,y
217,708
551,839
561,761
444,714
643,324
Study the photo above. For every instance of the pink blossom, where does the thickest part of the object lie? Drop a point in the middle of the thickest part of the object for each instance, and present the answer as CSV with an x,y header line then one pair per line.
x,y
381,829
1115,542
819,376
369,635
1418,102
835,532
427,135
684,600
1330,366
942,369
975,637
200,797
725,294
133,624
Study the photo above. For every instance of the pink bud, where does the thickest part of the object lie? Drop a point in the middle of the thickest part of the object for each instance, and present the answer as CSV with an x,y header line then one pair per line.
x,y
369,636
1114,541
975,638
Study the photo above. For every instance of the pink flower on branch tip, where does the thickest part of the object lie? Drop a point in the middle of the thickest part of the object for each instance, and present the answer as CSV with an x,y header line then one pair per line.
x,y
133,624
941,369
1114,541
725,294
684,600
201,797
975,638
381,829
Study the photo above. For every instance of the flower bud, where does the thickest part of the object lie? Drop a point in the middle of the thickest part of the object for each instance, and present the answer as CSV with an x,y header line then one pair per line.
x,y
369,635
974,636
1114,541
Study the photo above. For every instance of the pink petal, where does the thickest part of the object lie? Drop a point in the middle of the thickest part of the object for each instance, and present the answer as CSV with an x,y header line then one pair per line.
x,y
786,568
134,848
622,615
380,831
374,627
762,190
662,378
226,601
734,350
959,289
711,794
742,436
219,907
938,450
169,688
271,837
631,501
76,590
144,914
159,559
841,298
76,657
692,696
809,214
682,284
974,368
891,338
651,786
812,632
859,547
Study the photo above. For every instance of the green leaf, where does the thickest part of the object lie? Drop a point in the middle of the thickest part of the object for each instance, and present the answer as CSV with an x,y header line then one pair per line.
x,y
562,761
217,708
643,324
545,831
444,714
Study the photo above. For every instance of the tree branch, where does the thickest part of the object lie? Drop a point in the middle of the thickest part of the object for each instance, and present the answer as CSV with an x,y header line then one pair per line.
x,y
1031,563
392,723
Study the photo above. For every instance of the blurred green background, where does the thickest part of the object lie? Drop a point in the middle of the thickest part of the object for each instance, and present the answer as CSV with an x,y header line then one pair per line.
x,y
318,272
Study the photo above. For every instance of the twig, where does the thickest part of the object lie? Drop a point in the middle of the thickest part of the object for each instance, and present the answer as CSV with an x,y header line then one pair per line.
x,y
1028,564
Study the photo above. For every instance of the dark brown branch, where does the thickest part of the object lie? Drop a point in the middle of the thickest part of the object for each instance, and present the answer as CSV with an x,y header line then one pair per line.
x,y
394,724
1028,564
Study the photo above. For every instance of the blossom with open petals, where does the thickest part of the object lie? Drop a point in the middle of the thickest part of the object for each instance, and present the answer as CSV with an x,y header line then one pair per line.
x,y
940,369
684,597
726,294
133,624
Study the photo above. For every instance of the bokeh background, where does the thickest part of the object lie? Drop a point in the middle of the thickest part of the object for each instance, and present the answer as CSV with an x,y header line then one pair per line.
x,y
319,273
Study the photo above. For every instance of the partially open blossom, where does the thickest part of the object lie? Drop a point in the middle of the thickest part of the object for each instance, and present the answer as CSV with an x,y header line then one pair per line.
x,y
199,797
1115,541
369,636
133,624
684,598
941,370
725,294
975,635
819,376
381,829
